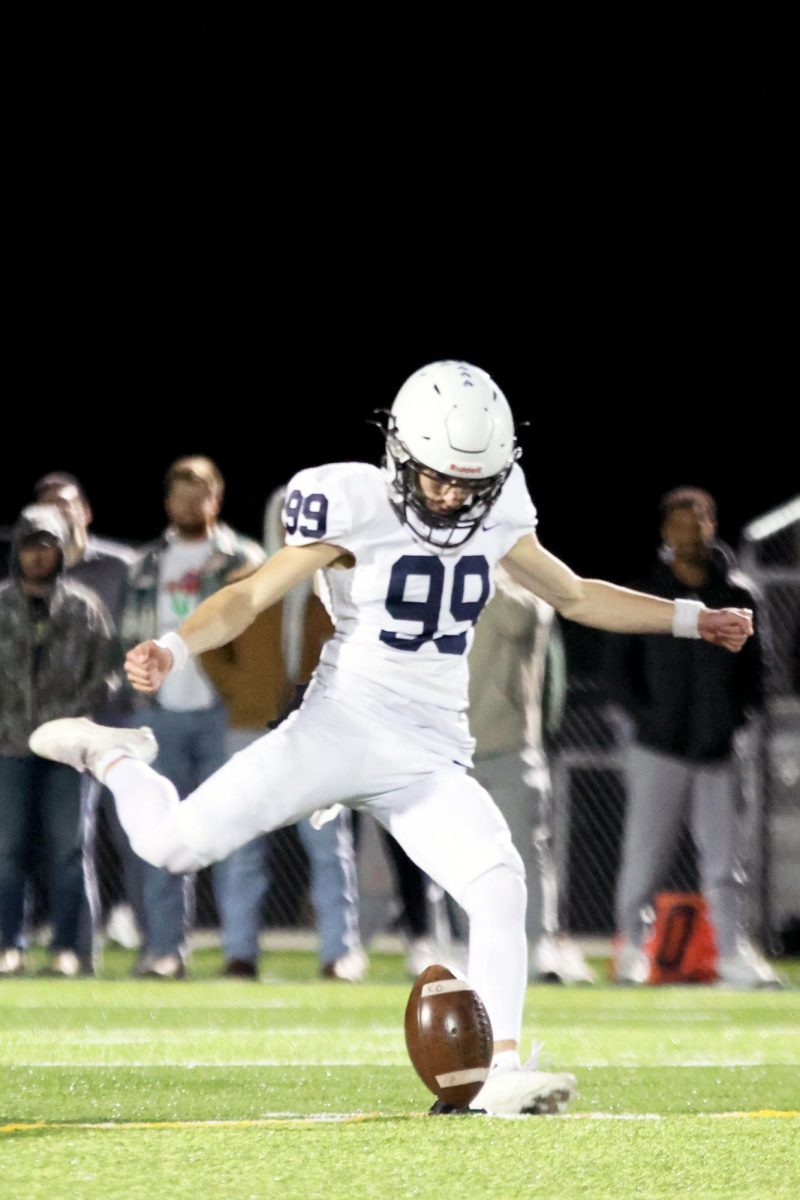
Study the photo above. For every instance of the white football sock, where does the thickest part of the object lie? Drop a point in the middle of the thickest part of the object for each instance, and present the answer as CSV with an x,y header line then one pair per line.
x,y
498,948
148,805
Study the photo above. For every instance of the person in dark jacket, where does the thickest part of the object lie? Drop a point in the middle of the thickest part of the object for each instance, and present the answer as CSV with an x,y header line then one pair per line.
x,y
687,701
101,565
58,658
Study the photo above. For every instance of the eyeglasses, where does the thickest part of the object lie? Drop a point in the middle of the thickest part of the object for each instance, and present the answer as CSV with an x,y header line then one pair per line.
x,y
441,482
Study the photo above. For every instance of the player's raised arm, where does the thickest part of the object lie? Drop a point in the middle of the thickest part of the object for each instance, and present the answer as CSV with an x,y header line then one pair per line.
x,y
606,606
223,616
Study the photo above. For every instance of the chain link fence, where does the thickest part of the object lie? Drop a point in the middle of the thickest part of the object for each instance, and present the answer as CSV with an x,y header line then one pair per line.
x,y
589,789
770,554
588,763
590,795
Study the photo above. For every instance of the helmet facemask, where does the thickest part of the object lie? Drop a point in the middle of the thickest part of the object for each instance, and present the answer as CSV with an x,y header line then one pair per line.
x,y
444,531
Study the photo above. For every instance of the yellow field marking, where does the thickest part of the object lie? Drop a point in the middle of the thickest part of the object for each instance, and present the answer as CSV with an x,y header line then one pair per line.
x,y
761,1112
292,1122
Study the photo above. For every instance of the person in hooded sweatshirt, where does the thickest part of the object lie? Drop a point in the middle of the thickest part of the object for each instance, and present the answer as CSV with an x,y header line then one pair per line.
x,y
58,658
687,706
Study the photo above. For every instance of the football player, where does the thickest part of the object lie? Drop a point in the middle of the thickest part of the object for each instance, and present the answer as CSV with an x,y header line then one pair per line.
x,y
405,554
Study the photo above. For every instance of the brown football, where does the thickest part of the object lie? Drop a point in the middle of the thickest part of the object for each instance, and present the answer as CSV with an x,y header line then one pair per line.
x,y
448,1036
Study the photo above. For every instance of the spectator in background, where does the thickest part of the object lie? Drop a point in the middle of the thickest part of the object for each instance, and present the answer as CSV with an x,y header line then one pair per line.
x,y
517,689
687,701
97,563
195,556
103,566
58,657
255,675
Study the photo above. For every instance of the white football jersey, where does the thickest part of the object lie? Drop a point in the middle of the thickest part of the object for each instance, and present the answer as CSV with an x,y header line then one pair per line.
x,y
403,615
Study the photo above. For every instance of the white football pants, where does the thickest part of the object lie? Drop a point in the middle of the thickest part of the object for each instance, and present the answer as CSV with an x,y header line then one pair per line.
x,y
342,747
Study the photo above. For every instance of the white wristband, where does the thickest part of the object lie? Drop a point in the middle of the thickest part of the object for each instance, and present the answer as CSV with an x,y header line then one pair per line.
x,y
685,618
177,648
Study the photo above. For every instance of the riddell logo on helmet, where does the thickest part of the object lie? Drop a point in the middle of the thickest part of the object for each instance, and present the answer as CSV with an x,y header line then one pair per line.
x,y
466,470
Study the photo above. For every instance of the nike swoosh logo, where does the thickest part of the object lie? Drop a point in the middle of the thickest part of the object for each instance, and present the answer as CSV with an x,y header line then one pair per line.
x,y
487,528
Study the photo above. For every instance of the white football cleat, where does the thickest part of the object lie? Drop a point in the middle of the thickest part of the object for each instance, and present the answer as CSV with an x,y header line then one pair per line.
x,y
519,1091
80,743
747,969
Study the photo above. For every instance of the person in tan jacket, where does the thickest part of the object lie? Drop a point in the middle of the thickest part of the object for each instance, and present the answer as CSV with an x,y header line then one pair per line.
x,y
517,690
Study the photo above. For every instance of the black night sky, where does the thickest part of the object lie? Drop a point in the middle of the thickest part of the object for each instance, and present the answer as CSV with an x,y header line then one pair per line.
x,y
213,259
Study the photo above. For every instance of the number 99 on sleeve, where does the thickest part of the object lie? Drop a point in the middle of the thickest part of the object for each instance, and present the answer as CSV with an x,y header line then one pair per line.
x,y
307,515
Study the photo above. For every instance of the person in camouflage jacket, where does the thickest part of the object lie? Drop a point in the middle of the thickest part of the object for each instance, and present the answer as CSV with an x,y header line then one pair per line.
x,y
59,657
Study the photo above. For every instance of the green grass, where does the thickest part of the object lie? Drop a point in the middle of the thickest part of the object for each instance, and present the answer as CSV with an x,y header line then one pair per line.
x,y
101,1079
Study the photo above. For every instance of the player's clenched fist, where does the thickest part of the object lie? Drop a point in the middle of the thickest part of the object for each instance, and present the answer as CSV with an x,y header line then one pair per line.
x,y
147,666
728,627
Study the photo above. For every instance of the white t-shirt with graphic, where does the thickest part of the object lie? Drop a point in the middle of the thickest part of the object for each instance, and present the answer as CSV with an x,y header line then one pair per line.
x,y
178,596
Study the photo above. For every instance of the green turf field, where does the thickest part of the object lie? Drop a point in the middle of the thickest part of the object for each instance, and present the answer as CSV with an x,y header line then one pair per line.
x,y
298,1088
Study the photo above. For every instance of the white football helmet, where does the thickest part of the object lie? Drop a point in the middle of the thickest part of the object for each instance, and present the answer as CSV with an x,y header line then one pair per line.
x,y
451,420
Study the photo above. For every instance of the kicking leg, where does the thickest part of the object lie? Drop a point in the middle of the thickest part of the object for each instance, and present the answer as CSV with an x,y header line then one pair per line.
x,y
304,764
147,803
